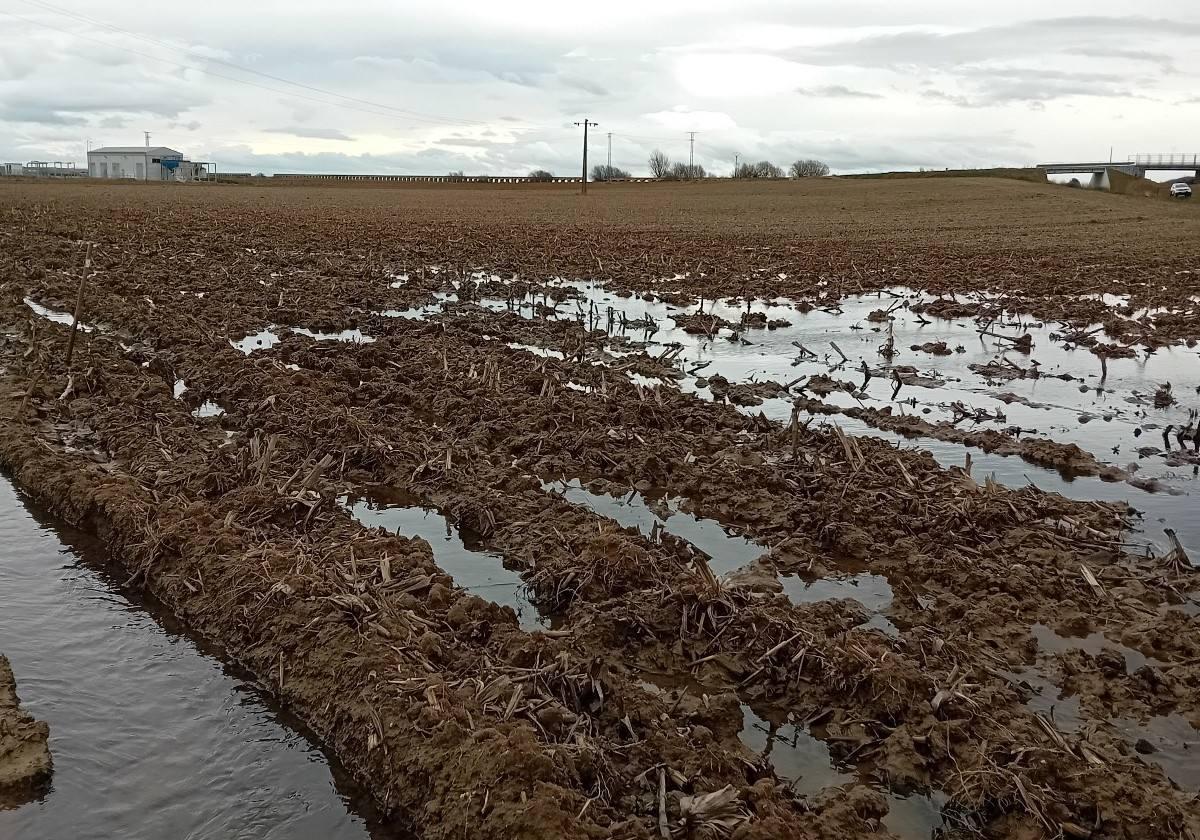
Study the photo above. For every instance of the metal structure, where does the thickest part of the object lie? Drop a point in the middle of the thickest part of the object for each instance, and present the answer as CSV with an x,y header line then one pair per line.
x,y
1137,165
52,169
1171,161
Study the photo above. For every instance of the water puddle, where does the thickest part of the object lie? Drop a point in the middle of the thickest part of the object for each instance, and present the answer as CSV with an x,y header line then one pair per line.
x,y
264,340
417,313
208,408
872,591
1169,741
806,764
64,318
726,551
916,816
647,381
456,551
421,313
797,757
151,736
544,352
354,336
1049,640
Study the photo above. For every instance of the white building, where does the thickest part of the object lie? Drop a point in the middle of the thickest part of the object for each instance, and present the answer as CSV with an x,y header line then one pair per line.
x,y
143,163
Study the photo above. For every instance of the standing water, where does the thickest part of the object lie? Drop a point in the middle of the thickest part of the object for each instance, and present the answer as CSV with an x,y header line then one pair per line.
x,y
151,736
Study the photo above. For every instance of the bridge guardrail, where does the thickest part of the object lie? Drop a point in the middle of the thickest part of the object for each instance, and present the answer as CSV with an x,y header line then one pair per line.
x,y
1173,159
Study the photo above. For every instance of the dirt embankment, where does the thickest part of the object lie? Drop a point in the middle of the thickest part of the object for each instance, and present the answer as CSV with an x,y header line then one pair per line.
x,y
24,746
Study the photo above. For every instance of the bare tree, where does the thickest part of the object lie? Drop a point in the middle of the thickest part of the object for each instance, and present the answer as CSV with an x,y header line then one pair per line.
x,y
604,172
660,164
809,169
762,169
686,172
541,175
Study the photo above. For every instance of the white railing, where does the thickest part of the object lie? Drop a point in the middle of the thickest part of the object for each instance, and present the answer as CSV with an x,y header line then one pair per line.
x,y
1172,160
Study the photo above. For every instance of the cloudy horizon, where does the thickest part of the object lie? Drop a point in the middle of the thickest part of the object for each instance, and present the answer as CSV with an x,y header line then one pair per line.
x,y
365,87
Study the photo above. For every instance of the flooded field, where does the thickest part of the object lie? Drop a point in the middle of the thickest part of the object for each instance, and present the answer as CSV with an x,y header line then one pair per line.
x,y
676,528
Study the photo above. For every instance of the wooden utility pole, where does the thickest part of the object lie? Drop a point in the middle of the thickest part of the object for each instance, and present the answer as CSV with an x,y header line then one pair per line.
x,y
585,123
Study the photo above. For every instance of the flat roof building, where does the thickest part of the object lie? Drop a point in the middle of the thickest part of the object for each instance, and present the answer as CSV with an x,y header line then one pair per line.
x,y
143,163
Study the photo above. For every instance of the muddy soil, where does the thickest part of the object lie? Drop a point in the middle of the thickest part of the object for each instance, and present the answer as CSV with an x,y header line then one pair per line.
x,y
25,763
674,513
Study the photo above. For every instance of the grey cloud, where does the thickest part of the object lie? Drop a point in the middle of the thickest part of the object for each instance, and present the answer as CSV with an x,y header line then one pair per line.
x,y
1035,74
866,153
1164,61
990,86
26,113
467,142
436,160
1025,38
942,96
313,133
80,107
15,66
838,92
585,85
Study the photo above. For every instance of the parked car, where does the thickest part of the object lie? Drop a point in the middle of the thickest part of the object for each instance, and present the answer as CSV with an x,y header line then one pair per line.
x,y
1181,190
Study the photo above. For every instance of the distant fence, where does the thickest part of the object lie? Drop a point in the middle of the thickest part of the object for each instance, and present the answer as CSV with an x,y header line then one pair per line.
x,y
455,179
434,179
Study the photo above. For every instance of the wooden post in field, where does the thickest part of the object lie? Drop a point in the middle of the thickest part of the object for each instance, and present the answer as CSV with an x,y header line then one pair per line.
x,y
87,265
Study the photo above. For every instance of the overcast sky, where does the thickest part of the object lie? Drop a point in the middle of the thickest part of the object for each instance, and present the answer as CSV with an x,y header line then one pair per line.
x,y
430,86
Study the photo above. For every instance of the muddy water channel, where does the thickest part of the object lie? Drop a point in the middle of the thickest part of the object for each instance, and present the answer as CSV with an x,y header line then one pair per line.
x,y
151,736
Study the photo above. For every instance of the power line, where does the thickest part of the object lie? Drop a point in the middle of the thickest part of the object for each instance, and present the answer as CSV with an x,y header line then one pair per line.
x,y
645,137
397,112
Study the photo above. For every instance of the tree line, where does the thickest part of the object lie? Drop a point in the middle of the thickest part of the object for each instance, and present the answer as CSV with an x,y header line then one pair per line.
x,y
663,168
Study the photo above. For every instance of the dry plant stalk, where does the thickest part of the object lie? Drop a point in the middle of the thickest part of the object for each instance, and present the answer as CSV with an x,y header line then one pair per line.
x,y
87,264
